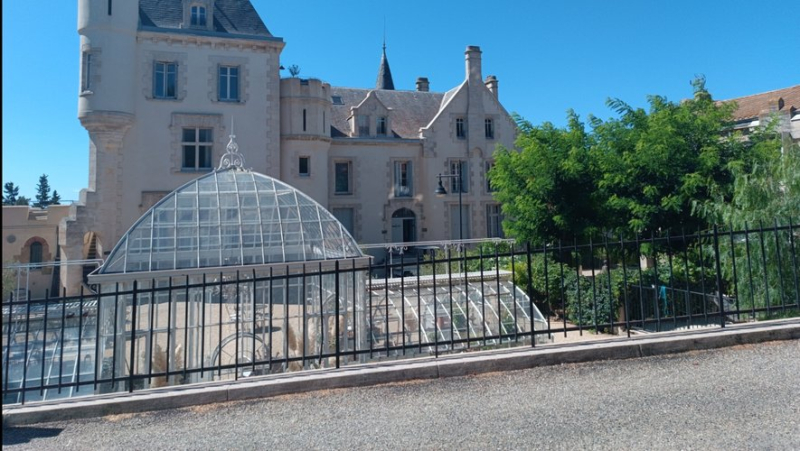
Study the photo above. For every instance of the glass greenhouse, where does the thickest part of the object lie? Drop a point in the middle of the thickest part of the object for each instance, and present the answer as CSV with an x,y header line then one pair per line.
x,y
238,274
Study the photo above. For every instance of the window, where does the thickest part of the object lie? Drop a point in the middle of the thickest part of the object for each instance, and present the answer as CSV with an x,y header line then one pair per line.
x,y
197,144
337,100
489,166
403,179
346,217
363,125
342,178
198,16
164,80
305,166
304,119
36,252
494,221
229,83
488,126
381,126
461,129
459,167
86,74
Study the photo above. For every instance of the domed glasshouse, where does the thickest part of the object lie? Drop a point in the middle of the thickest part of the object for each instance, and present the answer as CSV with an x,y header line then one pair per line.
x,y
237,274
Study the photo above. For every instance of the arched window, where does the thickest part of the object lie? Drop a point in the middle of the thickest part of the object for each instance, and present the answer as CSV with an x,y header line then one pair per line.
x,y
36,252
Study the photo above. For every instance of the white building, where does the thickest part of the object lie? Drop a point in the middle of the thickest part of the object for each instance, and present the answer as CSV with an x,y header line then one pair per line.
x,y
162,81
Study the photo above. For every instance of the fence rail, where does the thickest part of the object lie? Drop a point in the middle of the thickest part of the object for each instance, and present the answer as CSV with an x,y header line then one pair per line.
x,y
243,322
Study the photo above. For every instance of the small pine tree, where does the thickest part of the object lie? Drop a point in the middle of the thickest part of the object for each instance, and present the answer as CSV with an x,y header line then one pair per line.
x,y
294,70
55,199
22,200
42,192
10,193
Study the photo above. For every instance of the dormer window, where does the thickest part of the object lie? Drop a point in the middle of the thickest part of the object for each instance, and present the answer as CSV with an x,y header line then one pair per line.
x,y
381,126
198,16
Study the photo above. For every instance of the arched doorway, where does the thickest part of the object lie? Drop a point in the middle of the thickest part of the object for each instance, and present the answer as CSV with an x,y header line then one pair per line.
x,y
404,226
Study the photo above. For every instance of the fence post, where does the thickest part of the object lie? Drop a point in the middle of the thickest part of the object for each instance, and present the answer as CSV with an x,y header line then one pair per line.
x,y
133,337
530,294
719,279
336,323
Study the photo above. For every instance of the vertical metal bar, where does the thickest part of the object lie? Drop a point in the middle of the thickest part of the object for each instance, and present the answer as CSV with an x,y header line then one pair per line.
x,y
168,349
132,363
764,267
305,317
561,283
371,329
25,355
625,285
497,288
186,327
657,290
80,342
151,327
254,322
338,332
641,280
579,278
594,284
686,297
779,266
735,278
514,292
719,279
402,301
202,331
794,264
450,289
237,316
671,285
435,311
530,294
749,271
610,291
269,313
60,348
419,306
285,320
546,289
466,294
96,339
219,327
385,303
8,344
44,342
116,329
321,316
483,297
702,277
354,322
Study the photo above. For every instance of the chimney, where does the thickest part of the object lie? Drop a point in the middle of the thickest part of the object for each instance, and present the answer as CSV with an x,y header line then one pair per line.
x,y
422,84
473,57
491,84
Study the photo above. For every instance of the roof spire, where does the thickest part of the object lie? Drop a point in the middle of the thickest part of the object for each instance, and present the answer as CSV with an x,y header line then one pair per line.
x,y
384,73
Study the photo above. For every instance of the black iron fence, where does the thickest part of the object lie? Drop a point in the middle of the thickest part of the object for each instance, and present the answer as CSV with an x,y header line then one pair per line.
x,y
167,329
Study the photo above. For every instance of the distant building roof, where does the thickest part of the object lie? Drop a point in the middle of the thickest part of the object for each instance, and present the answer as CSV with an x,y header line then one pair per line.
x,y
780,100
411,110
235,17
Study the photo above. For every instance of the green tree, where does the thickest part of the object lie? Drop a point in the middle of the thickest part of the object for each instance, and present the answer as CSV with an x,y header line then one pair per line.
x,y
547,187
10,193
43,198
22,200
639,172
55,199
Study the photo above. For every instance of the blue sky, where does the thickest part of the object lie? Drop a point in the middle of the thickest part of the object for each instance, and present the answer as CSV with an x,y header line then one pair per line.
x,y
548,57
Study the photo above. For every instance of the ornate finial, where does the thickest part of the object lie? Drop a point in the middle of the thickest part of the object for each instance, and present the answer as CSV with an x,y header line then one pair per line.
x,y
232,157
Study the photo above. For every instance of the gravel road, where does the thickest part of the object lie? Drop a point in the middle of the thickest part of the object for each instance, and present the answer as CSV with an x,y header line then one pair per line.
x,y
747,397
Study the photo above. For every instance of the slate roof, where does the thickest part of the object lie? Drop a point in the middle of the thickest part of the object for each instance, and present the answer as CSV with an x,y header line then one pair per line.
x,y
411,110
751,107
384,74
235,17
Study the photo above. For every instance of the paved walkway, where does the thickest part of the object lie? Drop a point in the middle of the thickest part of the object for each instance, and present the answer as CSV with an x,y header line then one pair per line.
x,y
743,397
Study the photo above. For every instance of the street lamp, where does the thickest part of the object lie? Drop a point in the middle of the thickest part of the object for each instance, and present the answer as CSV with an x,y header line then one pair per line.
x,y
441,192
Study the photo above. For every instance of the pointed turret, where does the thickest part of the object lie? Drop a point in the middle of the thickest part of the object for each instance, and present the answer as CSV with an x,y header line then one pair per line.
x,y
384,73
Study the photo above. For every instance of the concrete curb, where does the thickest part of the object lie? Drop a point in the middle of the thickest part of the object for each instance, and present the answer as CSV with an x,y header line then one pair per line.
x,y
403,370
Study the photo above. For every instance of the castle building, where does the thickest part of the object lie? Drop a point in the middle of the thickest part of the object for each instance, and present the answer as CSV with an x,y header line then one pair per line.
x,y
164,82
